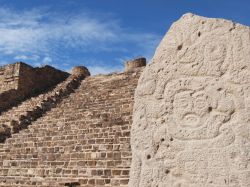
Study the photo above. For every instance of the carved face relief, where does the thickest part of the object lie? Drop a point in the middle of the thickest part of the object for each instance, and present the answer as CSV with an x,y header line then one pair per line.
x,y
199,108
190,108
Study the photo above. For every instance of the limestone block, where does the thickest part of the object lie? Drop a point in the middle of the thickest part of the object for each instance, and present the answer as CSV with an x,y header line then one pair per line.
x,y
192,108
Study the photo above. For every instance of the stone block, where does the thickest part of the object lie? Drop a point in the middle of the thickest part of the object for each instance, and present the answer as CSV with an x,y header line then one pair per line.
x,y
191,112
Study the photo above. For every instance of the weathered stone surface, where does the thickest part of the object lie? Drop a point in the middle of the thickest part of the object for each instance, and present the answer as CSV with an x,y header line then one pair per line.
x,y
191,114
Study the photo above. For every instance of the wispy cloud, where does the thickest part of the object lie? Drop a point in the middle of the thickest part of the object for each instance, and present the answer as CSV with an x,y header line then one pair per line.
x,y
27,31
104,69
47,60
40,36
25,57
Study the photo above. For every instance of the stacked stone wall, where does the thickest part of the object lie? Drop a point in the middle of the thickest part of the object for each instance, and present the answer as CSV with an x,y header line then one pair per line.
x,y
39,79
84,140
9,76
20,81
18,118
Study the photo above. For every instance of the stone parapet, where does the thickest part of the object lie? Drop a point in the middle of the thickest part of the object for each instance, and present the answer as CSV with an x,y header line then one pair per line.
x,y
80,71
135,63
9,77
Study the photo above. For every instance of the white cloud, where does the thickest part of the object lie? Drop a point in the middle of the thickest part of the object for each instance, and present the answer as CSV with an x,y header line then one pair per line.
x,y
21,57
27,36
25,57
47,60
94,70
25,32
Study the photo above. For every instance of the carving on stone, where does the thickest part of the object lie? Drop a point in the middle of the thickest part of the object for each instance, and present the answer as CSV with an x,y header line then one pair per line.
x,y
198,110
191,125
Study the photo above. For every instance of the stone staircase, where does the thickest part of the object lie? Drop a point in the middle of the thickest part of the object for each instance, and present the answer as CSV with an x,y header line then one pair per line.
x,y
19,117
83,141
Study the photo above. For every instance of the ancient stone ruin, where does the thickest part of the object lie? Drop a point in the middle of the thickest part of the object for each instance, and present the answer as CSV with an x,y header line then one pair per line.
x,y
187,112
77,133
191,113
20,81
135,63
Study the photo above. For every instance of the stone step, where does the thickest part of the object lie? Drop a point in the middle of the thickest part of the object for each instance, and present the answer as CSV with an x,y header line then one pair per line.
x,y
22,118
84,136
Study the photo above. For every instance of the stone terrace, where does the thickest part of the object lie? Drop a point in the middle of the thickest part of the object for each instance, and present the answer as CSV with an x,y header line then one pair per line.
x,y
82,141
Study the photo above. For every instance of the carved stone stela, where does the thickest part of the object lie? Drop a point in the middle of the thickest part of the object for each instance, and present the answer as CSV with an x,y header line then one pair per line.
x,y
192,108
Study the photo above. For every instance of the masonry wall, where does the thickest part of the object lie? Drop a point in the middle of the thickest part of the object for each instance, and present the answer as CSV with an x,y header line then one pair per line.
x,y
9,77
20,81
39,79
84,140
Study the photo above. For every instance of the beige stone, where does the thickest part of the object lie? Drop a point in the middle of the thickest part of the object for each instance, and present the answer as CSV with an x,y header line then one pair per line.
x,y
191,113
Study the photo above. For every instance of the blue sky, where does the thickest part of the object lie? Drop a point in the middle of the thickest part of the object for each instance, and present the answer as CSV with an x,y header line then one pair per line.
x,y
98,34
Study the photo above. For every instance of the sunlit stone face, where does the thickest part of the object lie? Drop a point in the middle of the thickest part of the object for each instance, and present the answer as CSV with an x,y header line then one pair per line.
x,y
191,112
